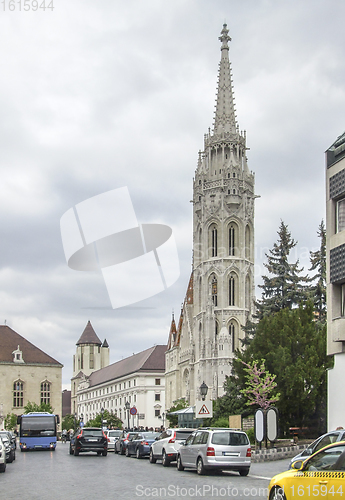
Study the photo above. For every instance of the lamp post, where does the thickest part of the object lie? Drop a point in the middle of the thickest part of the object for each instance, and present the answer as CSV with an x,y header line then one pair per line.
x,y
75,422
127,407
102,410
203,391
81,423
163,416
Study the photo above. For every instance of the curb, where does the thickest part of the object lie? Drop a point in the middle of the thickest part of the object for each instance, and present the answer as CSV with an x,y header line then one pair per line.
x,y
269,454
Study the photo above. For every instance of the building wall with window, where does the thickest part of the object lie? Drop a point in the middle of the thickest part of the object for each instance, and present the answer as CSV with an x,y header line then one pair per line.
x,y
335,256
138,380
220,295
27,374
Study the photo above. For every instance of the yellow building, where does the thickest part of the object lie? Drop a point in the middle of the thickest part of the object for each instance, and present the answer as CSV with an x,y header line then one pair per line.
x,y
26,374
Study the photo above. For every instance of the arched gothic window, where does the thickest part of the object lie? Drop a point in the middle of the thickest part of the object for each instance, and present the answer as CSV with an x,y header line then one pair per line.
x,y
232,290
247,242
45,392
18,392
214,289
232,335
214,240
231,239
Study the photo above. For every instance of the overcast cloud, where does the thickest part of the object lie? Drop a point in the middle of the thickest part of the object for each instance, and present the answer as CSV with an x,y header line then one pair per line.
x,y
100,95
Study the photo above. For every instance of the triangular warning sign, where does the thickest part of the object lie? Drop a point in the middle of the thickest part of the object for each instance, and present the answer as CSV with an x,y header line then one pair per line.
x,y
203,410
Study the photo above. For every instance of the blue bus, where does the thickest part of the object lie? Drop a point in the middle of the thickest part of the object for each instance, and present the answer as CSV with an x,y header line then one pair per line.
x,y
38,430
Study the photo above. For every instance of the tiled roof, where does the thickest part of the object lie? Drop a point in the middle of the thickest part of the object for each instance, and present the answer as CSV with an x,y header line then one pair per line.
x,y
89,336
9,342
152,359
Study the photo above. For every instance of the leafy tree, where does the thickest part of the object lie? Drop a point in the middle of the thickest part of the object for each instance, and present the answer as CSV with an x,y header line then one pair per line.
x,y
111,420
293,346
284,287
260,385
34,407
233,402
178,404
10,421
318,264
68,422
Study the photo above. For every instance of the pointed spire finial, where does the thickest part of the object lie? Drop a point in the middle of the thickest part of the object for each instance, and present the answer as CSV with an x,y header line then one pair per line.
x,y
224,37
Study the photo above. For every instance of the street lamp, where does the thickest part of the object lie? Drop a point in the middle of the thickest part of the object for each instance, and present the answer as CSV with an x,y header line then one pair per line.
x,y
203,391
127,407
163,415
75,422
81,423
102,410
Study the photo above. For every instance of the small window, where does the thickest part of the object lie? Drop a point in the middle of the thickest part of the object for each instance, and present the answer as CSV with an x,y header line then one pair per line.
x,y
234,175
340,216
157,413
157,397
158,381
234,191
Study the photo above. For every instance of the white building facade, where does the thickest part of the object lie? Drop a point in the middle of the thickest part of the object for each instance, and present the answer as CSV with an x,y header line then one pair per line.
x,y
138,380
335,257
220,294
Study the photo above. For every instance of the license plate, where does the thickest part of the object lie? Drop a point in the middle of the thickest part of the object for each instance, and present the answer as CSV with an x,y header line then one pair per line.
x,y
229,454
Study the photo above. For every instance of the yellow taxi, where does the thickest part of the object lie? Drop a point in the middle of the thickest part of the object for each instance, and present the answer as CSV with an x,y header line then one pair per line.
x,y
321,476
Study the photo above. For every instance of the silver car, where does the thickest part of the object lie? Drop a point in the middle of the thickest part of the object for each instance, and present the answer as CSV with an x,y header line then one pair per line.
x,y
216,448
113,435
2,456
320,442
166,446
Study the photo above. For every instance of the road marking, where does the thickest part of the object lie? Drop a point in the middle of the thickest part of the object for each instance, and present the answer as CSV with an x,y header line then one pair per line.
x,y
260,477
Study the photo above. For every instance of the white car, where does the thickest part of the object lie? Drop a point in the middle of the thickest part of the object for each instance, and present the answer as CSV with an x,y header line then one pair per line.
x,y
2,456
166,446
113,435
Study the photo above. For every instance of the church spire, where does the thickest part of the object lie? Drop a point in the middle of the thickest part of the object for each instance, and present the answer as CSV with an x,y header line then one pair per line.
x,y
225,119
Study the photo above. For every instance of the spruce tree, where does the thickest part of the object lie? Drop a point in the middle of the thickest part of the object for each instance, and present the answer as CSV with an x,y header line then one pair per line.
x,y
318,263
284,287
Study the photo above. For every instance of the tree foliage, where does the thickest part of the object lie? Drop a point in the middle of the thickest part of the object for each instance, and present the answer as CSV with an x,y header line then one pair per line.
x,y
34,407
284,287
293,346
178,404
318,263
112,421
260,385
10,422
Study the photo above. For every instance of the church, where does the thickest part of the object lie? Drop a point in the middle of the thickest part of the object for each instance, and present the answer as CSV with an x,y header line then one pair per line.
x,y
220,293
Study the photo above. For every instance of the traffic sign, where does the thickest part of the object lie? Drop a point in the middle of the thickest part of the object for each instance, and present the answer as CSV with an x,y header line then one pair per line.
x,y
133,410
203,409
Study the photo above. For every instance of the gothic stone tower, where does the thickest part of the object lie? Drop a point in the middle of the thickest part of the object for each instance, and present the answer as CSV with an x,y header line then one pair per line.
x,y
220,294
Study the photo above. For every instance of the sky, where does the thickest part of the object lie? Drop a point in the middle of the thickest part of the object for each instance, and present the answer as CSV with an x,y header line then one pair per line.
x,y
95,96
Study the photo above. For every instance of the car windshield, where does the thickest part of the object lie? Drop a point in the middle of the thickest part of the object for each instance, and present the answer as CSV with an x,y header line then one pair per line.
x,y
183,434
114,433
150,435
329,459
230,438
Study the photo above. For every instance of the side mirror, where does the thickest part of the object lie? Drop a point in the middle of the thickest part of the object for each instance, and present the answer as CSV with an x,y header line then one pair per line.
x,y
297,465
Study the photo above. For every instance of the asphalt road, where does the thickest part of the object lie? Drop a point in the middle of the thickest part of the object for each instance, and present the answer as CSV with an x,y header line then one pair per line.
x,y
43,475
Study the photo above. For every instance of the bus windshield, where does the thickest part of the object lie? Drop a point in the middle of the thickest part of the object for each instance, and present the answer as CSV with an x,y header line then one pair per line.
x,y
38,426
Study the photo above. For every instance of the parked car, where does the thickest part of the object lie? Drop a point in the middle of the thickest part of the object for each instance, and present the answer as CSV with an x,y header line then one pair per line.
x,y
9,446
121,444
216,448
113,435
89,439
319,443
2,456
321,475
166,446
140,444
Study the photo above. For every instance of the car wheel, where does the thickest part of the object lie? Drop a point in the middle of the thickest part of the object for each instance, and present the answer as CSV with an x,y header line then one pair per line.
x,y
99,452
76,452
179,463
277,493
2,467
70,450
200,467
165,459
127,452
115,450
152,458
105,453
137,453
244,472
122,451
